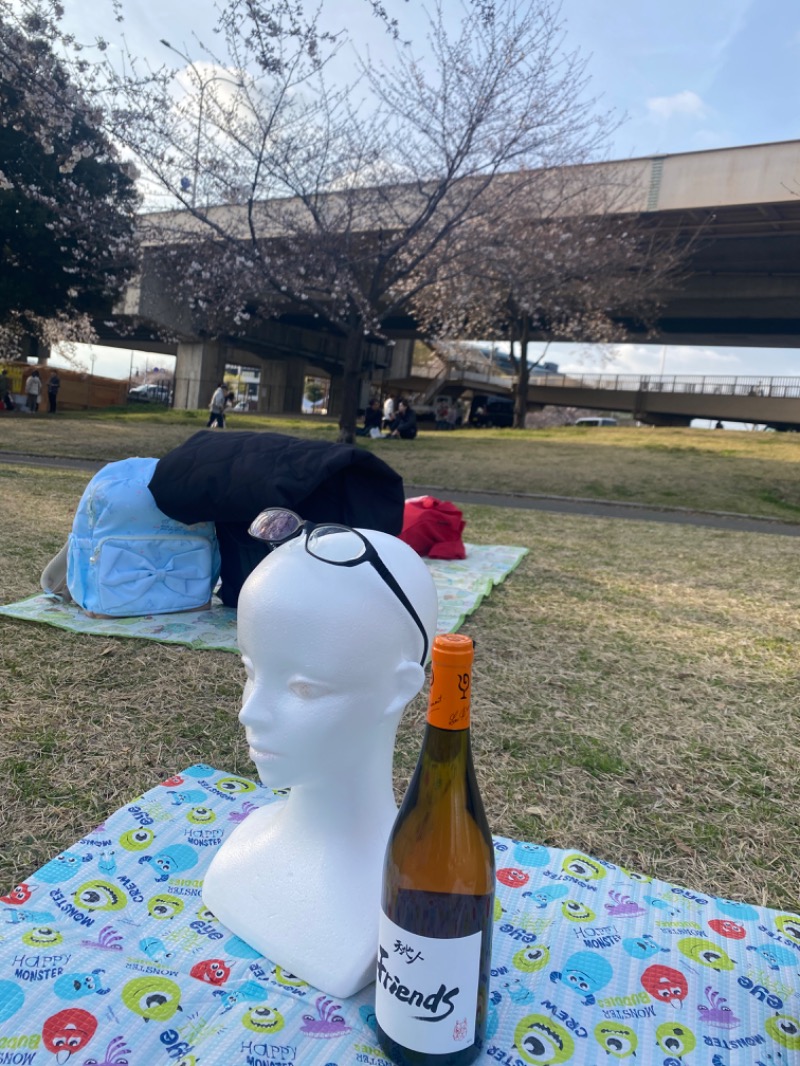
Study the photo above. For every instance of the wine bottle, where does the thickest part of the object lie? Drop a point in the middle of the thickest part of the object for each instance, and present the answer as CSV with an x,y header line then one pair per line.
x,y
437,900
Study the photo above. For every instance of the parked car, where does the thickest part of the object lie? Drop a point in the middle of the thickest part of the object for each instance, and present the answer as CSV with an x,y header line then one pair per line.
x,y
491,411
596,422
150,394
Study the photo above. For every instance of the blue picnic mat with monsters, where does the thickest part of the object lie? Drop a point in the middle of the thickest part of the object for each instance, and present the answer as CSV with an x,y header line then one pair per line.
x,y
108,957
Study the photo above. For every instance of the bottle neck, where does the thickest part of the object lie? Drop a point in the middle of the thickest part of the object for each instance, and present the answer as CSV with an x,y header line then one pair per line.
x,y
449,700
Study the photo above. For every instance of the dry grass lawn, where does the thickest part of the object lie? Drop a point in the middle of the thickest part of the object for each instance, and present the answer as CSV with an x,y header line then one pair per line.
x,y
636,688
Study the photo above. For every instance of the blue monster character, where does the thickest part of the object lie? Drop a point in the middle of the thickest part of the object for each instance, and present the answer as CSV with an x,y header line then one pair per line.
x,y
189,795
77,985
742,912
585,973
531,854
14,915
240,949
107,863
201,769
62,867
544,896
774,955
155,949
174,859
11,999
642,947
250,990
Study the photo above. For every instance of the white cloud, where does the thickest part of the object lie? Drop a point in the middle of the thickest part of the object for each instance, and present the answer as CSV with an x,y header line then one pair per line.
x,y
684,103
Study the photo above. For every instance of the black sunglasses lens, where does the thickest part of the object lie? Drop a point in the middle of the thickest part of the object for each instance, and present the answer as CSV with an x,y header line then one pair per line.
x,y
274,525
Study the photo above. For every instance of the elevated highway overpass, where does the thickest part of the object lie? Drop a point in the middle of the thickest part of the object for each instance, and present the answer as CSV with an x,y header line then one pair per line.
x,y
742,283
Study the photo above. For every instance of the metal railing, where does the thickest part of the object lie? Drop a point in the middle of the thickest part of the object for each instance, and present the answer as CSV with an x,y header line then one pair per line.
x,y
778,388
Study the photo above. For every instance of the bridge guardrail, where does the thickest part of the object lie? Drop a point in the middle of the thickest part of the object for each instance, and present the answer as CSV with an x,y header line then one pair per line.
x,y
714,385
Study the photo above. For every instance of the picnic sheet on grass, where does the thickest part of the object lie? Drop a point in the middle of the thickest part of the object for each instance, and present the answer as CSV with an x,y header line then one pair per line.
x,y
461,585
107,955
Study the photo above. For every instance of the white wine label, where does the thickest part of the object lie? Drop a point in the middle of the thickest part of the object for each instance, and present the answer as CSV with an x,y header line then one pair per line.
x,y
426,992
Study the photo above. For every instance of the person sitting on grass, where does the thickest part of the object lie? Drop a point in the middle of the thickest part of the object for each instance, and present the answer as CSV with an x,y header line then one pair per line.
x,y
404,425
372,420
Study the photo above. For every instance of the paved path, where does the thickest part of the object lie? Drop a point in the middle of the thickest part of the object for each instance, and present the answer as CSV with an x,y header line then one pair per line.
x,y
637,512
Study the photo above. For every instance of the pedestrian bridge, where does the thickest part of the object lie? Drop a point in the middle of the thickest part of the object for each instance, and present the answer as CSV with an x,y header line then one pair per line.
x,y
675,400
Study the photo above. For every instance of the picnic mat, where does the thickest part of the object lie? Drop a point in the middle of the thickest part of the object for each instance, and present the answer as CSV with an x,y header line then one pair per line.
x,y
461,585
108,956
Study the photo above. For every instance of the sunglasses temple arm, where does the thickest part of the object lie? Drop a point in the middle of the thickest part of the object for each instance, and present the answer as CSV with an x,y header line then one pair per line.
x,y
391,581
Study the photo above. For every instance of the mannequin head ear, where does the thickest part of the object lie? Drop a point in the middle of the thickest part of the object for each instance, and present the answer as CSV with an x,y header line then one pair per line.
x,y
409,679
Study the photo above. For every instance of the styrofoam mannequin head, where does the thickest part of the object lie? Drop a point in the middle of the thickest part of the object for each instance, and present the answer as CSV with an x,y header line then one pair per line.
x,y
332,658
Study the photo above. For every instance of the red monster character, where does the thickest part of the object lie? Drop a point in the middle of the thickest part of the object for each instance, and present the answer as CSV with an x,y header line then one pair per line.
x,y
68,1031
17,896
212,971
512,877
173,782
665,985
725,927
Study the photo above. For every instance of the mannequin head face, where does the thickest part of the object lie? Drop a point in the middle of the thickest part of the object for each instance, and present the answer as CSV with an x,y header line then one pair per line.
x,y
332,659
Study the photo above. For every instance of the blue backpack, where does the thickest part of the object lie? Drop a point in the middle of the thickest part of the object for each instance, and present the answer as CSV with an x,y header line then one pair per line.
x,y
125,557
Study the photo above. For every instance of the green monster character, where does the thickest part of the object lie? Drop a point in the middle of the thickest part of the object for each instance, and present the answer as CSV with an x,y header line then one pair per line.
x,y
541,1042
675,1039
789,926
616,1039
137,839
235,786
498,910
634,875
164,906
42,937
529,960
705,952
288,980
582,866
263,1020
784,1031
577,912
201,816
152,998
100,896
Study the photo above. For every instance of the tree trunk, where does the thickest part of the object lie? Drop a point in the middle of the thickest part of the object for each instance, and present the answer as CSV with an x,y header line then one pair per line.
x,y
351,383
523,377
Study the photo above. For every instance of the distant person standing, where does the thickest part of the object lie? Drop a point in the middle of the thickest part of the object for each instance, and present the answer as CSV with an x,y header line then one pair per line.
x,y
217,407
5,391
53,385
388,411
33,390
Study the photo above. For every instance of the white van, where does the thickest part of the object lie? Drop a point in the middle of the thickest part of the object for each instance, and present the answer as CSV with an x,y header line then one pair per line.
x,y
596,422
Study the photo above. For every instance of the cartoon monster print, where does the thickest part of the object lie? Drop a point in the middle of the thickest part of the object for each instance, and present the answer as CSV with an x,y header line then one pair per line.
x,y
108,939
200,769
544,896
575,911
16,915
240,949
165,906
717,1013
789,926
623,906
642,947
675,1039
76,985
706,953
511,877
582,866
541,1041
665,985
516,991
328,1022
11,999
155,949
530,854
784,1030
137,839
43,936
201,816
775,956
532,959
289,980
175,859
585,973
263,1019
116,1054
153,998
17,896
62,867
100,896
239,816
616,1039
728,928
189,795
740,912
250,990
212,971
235,786
68,1031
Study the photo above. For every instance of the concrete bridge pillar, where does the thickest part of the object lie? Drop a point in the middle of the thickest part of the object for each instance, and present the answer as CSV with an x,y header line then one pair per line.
x,y
280,389
199,368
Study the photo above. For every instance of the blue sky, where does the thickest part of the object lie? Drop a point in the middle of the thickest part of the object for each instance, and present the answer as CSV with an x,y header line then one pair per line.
x,y
681,76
